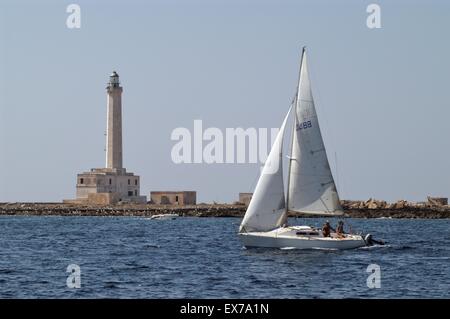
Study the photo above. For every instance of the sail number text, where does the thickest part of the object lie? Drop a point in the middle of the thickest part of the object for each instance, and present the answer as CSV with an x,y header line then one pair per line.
x,y
304,125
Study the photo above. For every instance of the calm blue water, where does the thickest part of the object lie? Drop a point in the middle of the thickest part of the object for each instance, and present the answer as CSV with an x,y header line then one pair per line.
x,y
124,257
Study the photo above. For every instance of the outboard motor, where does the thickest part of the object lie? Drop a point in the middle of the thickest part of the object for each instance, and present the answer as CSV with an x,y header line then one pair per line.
x,y
370,241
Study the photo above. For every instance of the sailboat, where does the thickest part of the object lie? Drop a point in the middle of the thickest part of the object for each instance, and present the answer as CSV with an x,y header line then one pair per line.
x,y
310,186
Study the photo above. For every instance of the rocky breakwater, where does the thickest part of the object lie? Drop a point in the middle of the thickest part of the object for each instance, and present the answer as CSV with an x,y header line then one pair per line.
x,y
372,208
357,209
143,210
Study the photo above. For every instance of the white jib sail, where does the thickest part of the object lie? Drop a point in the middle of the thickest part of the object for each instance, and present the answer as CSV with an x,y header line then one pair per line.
x,y
311,185
268,206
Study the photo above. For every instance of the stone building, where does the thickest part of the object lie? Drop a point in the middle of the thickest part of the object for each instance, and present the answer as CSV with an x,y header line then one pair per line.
x,y
113,183
437,201
245,198
108,186
174,198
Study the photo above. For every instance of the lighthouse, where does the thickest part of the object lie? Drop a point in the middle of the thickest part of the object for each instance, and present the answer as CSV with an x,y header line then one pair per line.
x,y
112,183
114,123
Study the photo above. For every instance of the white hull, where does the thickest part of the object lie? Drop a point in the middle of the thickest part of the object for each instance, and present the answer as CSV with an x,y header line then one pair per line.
x,y
300,237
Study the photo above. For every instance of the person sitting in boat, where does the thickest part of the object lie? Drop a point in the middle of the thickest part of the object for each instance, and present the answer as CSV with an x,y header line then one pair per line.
x,y
326,229
340,229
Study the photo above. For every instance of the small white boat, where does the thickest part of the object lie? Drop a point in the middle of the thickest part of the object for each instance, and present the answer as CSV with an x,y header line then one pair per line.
x,y
310,190
165,216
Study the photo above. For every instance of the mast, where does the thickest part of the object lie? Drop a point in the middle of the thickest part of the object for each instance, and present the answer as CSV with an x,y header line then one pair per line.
x,y
295,102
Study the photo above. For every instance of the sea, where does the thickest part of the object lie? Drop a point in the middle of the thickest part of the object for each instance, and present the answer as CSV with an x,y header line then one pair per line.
x,y
135,257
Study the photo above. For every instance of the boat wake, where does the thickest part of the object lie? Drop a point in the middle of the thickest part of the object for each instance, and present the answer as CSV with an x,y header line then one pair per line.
x,y
313,248
375,247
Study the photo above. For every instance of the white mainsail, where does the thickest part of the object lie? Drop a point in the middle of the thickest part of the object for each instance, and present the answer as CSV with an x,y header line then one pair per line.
x,y
311,186
268,206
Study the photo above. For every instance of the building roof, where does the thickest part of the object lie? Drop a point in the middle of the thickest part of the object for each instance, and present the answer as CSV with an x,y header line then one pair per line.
x,y
171,192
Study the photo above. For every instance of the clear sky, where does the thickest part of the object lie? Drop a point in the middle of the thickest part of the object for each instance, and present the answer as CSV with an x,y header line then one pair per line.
x,y
382,95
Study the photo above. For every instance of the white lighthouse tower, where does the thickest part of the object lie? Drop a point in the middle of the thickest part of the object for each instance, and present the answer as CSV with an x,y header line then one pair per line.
x,y
114,123
113,183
